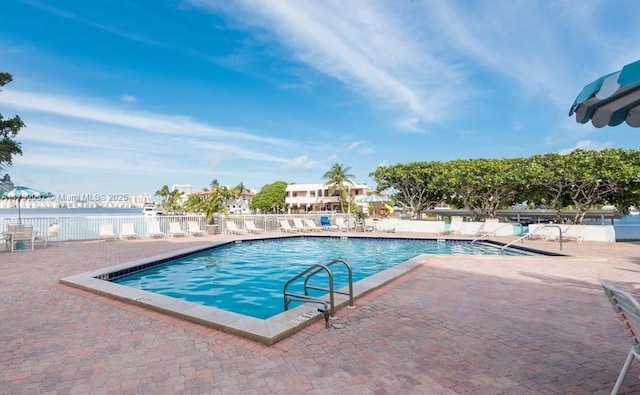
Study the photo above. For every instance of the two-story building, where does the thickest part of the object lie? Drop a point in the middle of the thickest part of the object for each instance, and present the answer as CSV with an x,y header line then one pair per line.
x,y
303,198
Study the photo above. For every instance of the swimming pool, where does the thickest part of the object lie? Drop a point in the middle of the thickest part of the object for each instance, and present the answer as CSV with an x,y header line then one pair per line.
x,y
247,278
279,326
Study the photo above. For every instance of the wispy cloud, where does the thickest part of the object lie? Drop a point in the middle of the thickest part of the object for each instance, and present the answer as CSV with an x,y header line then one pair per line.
x,y
301,162
100,112
71,16
128,98
371,50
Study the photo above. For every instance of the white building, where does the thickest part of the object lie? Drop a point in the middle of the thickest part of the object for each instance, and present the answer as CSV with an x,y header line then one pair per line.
x,y
315,197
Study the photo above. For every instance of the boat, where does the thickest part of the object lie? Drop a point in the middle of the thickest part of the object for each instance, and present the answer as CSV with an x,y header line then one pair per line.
x,y
150,209
634,211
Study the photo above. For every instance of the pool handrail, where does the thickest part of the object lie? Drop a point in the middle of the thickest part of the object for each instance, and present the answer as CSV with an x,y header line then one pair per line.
x,y
535,231
316,267
333,262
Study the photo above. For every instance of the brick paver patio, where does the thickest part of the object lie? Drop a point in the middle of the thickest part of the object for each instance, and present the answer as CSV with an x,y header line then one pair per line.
x,y
458,325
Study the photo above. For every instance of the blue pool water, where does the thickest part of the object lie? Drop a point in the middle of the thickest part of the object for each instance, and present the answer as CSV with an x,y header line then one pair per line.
x,y
248,277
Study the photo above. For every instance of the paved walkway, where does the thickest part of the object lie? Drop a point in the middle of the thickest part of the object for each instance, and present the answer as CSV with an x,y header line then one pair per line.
x,y
458,325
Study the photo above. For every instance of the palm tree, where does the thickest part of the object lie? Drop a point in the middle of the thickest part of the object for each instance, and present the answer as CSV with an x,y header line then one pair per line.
x,y
337,176
239,189
164,193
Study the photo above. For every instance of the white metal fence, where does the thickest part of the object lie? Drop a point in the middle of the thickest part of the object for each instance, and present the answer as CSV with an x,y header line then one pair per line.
x,y
88,228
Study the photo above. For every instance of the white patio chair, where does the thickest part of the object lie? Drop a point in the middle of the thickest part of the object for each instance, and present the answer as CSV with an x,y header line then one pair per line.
x,y
153,229
299,225
106,232
312,225
251,227
128,231
175,230
52,233
341,224
489,228
194,229
233,228
286,227
628,311
574,233
369,225
20,233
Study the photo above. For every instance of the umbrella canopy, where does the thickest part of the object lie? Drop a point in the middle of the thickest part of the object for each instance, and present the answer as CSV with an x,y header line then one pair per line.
x,y
20,193
611,99
373,199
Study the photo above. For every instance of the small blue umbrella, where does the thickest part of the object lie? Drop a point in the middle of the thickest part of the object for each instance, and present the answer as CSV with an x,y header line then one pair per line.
x,y
19,193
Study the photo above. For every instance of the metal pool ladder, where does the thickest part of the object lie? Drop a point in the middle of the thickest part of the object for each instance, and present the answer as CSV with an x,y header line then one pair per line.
x,y
310,272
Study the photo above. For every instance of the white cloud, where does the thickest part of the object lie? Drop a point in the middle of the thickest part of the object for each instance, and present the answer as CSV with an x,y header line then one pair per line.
x,y
128,98
301,162
586,145
346,41
84,109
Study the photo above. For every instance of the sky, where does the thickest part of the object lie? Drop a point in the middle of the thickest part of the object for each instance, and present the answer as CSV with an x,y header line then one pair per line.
x,y
127,96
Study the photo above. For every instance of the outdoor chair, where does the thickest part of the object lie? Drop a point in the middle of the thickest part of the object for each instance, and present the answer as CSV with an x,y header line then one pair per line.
x,y
286,227
341,224
312,225
153,230
369,225
194,229
19,234
233,228
299,225
628,312
326,224
106,232
489,228
175,230
251,227
53,233
127,231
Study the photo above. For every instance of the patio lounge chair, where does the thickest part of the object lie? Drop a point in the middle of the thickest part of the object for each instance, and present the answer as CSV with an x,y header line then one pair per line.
x,y
286,227
312,225
299,225
175,230
232,228
106,232
628,312
153,230
369,225
194,229
251,227
490,227
326,224
341,224
387,225
127,231
574,233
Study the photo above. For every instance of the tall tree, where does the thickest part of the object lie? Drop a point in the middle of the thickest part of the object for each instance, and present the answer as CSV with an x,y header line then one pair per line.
x,y
163,193
9,129
415,185
271,198
338,179
239,189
